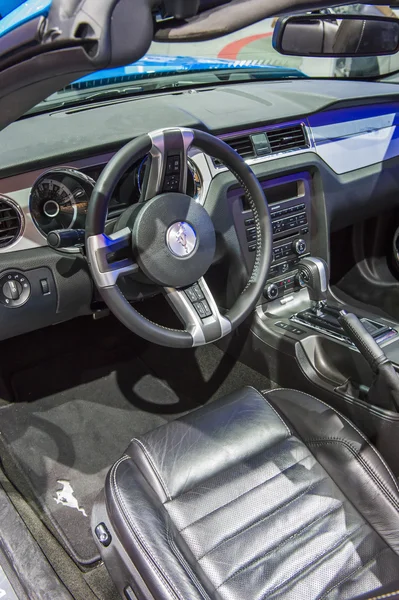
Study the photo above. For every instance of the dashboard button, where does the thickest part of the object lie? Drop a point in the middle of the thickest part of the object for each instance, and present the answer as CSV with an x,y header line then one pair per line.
x,y
45,286
271,292
250,221
252,248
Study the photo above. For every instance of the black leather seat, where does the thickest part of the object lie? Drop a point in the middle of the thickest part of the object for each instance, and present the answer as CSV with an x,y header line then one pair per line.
x,y
254,496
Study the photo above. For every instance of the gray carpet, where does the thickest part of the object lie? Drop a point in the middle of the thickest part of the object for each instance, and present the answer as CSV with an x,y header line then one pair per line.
x,y
73,419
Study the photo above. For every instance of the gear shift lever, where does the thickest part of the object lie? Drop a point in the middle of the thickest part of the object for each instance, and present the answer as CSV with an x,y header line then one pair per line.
x,y
313,273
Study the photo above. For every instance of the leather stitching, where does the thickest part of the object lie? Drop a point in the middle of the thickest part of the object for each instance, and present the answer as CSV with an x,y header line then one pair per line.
x,y
362,461
154,468
318,558
275,548
352,425
390,595
264,517
358,570
263,396
185,564
147,552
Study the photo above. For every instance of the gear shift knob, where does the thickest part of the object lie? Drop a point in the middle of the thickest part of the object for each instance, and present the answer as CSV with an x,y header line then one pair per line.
x,y
314,274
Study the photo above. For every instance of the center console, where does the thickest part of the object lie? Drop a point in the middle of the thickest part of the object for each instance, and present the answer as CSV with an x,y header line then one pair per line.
x,y
289,200
296,337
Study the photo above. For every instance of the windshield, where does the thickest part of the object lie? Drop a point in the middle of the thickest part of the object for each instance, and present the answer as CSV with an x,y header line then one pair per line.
x,y
246,55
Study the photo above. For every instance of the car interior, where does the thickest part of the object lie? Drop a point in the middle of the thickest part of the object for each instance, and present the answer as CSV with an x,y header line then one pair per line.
x,y
199,313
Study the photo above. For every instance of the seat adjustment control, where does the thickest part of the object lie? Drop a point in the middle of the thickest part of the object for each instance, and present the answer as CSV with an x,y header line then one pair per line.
x,y
103,535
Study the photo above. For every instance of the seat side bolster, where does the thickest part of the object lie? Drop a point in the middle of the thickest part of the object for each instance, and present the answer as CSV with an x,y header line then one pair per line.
x,y
347,456
190,450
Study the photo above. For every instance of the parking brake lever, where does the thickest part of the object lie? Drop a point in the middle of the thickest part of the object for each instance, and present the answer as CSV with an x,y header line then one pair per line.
x,y
384,391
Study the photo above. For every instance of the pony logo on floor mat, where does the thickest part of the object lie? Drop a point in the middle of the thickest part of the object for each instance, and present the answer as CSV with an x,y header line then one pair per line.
x,y
66,496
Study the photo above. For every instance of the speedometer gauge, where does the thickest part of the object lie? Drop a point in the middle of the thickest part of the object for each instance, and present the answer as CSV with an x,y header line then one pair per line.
x,y
59,200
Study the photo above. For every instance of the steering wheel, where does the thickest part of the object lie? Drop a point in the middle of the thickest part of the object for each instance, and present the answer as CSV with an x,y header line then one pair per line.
x,y
171,238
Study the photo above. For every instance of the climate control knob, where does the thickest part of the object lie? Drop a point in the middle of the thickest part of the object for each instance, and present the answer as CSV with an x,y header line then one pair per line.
x,y
271,292
299,247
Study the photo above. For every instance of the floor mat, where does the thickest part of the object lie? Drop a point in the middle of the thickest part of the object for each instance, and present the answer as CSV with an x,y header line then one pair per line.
x,y
57,450
76,414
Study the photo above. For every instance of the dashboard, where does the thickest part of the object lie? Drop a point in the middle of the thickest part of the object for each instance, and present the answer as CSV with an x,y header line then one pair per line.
x,y
325,160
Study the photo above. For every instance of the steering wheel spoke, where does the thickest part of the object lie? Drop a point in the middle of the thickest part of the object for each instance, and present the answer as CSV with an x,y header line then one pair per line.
x,y
168,167
112,255
196,308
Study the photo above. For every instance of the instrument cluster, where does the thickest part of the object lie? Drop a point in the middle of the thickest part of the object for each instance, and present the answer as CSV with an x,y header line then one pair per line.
x,y
59,199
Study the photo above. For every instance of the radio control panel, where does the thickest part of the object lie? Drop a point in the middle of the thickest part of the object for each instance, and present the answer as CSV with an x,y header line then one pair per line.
x,y
289,200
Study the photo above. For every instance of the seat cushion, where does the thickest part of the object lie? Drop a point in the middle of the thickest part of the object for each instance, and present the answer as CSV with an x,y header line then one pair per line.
x,y
256,496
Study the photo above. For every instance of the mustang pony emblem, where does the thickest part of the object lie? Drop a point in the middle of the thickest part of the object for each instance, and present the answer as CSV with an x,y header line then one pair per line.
x,y
181,239
66,496
181,235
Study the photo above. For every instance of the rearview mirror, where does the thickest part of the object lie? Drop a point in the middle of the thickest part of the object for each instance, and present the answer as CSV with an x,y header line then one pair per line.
x,y
336,35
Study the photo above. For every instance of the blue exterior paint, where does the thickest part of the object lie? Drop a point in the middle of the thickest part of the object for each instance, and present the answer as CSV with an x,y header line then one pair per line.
x,y
152,63
21,13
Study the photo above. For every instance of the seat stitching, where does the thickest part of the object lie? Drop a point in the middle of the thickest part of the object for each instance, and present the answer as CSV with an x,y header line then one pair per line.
x,y
361,568
362,461
318,558
350,424
154,468
273,409
264,517
390,595
291,537
244,493
185,564
147,552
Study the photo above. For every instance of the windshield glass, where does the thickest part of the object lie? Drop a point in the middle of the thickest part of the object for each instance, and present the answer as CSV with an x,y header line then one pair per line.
x,y
245,55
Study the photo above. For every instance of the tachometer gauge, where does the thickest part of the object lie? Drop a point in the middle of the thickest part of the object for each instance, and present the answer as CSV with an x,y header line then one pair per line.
x,y
59,200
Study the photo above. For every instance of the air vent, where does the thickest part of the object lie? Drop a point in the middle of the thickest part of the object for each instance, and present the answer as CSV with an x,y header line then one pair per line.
x,y
11,221
287,138
242,145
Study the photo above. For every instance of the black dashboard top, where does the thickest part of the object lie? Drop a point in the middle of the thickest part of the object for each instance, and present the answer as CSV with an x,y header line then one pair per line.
x,y
48,139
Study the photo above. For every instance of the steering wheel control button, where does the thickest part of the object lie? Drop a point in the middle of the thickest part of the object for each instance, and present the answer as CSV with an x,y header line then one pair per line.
x,y
194,293
171,183
181,239
14,290
203,309
173,165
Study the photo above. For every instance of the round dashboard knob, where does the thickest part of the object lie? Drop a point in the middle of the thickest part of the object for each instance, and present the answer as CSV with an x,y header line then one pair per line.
x,y
12,290
271,292
299,246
